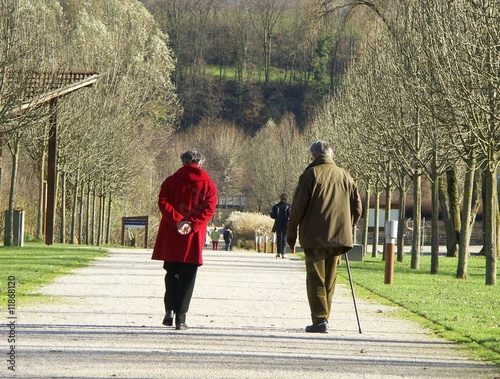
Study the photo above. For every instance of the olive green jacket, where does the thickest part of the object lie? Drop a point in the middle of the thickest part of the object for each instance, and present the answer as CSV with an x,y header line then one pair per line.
x,y
325,207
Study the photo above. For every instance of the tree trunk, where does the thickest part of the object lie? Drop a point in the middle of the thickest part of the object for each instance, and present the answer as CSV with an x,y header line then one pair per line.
x,y
99,213
451,234
367,216
490,210
80,215
435,225
387,210
401,225
417,222
41,197
108,223
375,224
92,233
451,177
12,197
100,230
63,206
87,217
463,249
74,208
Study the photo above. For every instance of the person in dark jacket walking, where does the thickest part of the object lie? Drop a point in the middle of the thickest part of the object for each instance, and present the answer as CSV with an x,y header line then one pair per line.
x,y
228,238
187,202
325,208
280,213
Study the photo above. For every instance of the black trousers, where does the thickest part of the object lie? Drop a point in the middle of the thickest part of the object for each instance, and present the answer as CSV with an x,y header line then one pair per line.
x,y
179,285
281,242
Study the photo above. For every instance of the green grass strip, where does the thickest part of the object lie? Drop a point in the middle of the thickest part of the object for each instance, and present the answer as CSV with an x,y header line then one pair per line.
x,y
461,310
35,265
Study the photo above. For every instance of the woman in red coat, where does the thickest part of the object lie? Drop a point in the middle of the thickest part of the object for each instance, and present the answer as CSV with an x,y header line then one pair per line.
x,y
187,202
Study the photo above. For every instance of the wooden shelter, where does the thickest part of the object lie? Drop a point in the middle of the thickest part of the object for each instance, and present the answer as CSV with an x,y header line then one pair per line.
x,y
46,88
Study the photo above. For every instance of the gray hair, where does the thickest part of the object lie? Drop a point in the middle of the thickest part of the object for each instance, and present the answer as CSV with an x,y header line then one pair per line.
x,y
192,156
321,149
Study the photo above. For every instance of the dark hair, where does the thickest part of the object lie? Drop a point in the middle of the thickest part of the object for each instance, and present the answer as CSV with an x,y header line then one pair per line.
x,y
283,196
192,156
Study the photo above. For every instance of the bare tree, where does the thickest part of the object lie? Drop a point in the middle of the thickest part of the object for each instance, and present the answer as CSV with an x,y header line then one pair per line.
x,y
277,155
265,16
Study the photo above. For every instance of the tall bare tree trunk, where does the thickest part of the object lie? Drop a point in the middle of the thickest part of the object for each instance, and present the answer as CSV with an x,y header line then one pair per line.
x,y
41,193
12,196
108,224
387,210
63,206
401,225
375,223
417,220
451,178
435,225
367,216
87,217
463,249
102,206
74,208
80,213
446,199
92,219
490,218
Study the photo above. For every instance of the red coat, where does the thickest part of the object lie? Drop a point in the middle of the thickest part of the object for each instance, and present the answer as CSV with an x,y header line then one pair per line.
x,y
187,195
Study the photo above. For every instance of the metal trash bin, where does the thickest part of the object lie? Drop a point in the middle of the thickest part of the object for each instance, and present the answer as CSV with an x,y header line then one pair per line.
x,y
356,253
18,228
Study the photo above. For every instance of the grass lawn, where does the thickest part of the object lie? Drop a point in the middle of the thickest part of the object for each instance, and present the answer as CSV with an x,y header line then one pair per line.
x,y
35,264
462,310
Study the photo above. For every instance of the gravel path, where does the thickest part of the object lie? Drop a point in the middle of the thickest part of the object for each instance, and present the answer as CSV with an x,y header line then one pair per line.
x,y
246,319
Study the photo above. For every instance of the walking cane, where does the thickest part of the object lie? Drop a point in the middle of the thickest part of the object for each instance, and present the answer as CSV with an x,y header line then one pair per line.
x,y
352,290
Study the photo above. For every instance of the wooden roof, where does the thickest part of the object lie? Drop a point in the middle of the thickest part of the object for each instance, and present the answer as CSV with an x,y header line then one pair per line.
x,y
42,87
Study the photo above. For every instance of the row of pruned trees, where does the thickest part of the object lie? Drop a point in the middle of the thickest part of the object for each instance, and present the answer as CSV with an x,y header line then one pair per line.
x,y
108,134
422,99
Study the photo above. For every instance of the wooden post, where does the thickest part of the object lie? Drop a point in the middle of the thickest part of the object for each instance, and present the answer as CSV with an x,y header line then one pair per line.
x,y
391,233
123,231
146,231
389,262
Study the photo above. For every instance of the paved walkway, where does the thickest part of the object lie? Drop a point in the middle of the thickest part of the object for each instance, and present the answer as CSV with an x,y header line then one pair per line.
x,y
246,320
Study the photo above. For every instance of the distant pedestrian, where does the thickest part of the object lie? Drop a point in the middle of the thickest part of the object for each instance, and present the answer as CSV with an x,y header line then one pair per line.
x,y
215,236
187,202
325,207
228,238
280,213
207,238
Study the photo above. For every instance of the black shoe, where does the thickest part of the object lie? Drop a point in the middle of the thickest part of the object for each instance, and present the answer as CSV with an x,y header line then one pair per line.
x,y
277,255
283,256
318,328
168,320
181,327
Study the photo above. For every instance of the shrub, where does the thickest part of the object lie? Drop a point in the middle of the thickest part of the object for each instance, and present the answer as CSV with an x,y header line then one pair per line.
x,y
245,225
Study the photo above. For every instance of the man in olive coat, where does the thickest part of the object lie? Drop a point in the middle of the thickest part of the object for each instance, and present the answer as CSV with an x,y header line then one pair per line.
x,y
325,208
